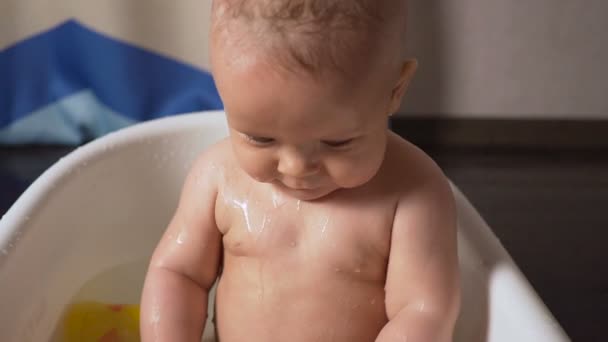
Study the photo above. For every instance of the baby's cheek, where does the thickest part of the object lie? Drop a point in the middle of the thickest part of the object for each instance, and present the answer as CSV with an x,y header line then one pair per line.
x,y
349,175
258,166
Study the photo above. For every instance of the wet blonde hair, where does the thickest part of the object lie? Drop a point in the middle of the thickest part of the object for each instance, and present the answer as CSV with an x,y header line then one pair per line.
x,y
316,36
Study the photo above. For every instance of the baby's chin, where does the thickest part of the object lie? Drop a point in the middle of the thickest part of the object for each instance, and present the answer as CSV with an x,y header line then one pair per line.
x,y
305,195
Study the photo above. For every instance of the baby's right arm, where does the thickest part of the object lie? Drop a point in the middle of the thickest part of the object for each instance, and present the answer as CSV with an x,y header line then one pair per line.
x,y
185,264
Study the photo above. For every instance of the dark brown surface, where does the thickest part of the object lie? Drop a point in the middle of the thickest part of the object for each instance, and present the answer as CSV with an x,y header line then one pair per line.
x,y
549,209
497,133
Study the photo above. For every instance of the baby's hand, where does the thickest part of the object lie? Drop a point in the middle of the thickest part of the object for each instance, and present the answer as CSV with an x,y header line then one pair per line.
x,y
414,325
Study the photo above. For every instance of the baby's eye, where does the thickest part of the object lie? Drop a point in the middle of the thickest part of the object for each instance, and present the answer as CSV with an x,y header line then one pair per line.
x,y
338,143
259,140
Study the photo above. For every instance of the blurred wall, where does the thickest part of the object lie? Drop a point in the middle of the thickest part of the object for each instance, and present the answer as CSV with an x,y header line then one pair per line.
x,y
478,58
175,29
509,59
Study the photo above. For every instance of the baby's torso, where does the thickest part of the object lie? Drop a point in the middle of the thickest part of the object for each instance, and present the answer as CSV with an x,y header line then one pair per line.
x,y
302,271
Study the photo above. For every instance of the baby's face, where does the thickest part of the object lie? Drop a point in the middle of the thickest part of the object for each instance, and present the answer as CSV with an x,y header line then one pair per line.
x,y
307,137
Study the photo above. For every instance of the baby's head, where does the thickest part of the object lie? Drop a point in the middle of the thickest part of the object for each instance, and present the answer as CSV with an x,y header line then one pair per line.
x,y
308,85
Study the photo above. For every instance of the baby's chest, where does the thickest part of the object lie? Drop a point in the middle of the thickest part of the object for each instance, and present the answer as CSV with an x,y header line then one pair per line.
x,y
297,233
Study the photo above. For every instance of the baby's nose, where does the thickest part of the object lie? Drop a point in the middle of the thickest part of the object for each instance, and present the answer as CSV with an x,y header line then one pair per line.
x,y
298,163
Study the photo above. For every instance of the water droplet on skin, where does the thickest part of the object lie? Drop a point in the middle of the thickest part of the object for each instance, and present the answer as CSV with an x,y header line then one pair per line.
x,y
298,205
276,200
357,270
155,315
337,270
373,301
181,238
265,221
243,205
261,289
324,224
225,198
293,244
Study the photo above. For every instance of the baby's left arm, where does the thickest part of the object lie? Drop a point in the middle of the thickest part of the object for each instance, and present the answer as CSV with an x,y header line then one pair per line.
x,y
422,284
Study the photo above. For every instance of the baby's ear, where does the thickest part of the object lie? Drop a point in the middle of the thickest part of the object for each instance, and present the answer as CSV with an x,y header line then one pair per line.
x,y
408,70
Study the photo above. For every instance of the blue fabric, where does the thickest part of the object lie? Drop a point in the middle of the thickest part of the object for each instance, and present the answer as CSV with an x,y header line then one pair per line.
x,y
126,80
74,119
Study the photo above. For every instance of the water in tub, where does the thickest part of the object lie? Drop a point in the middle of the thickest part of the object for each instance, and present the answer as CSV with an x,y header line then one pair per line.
x,y
116,288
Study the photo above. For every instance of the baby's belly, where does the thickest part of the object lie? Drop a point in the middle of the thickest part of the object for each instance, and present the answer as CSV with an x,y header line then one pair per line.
x,y
263,301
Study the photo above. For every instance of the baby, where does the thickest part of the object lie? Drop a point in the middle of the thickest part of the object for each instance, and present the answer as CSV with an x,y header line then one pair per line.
x,y
320,223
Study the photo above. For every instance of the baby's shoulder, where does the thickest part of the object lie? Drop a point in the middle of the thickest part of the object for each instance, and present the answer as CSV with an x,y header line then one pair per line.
x,y
214,161
410,169
219,153
423,191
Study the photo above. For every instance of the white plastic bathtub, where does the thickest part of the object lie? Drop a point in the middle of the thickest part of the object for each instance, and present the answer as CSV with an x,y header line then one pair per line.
x,y
104,206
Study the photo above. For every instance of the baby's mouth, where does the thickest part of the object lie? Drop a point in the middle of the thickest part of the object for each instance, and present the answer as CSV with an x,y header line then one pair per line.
x,y
290,188
299,187
303,188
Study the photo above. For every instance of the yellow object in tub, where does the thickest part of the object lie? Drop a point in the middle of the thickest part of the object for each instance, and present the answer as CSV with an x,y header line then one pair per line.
x,y
97,322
